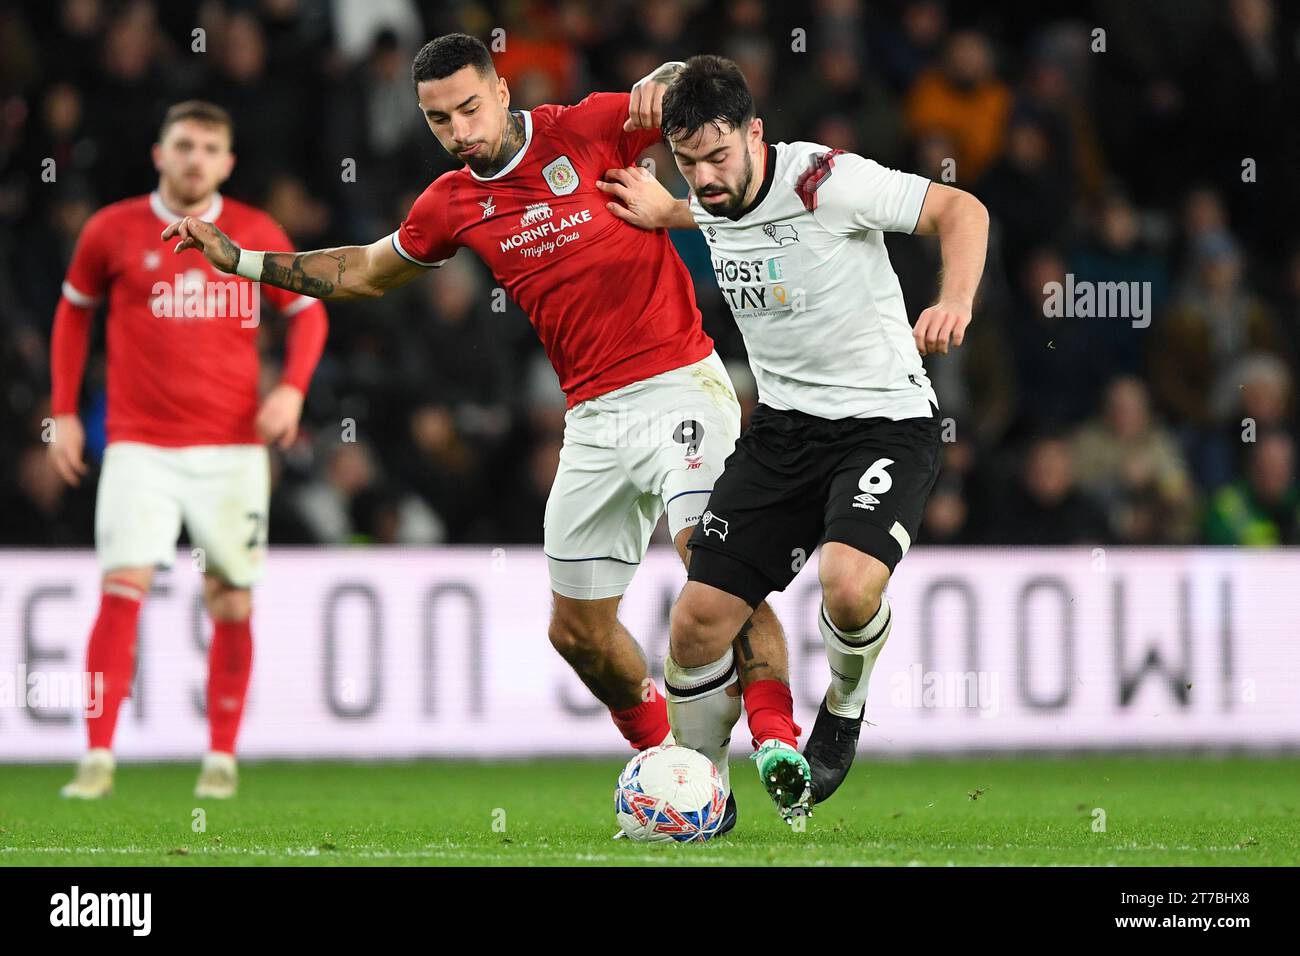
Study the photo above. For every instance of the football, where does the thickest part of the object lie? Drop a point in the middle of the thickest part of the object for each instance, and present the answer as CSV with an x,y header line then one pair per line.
x,y
669,794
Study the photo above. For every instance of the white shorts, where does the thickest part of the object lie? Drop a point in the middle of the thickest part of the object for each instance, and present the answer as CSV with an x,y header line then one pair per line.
x,y
221,492
627,456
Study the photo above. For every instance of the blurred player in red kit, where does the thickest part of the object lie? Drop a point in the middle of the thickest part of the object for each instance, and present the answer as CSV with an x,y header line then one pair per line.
x,y
187,435
651,412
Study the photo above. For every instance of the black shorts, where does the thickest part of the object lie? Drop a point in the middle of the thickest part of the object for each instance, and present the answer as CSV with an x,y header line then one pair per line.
x,y
796,480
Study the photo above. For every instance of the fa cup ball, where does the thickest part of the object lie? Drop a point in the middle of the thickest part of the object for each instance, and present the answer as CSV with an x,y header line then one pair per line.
x,y
669,794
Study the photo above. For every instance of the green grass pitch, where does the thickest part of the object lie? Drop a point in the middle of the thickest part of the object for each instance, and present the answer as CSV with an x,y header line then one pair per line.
x,y
1172,811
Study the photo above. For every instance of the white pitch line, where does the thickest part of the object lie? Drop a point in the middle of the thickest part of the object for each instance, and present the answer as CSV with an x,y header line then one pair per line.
x,y
453,852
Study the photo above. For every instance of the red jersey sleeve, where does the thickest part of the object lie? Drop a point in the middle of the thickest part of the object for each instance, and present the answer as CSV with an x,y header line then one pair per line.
x,y
69,344
309,325
84,286
600,117
87,277
304,345
424,236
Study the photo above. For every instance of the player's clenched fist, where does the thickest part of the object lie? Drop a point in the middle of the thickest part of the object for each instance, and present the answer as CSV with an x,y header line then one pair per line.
x,y
212,242
642,199
645,109
277,419
937,325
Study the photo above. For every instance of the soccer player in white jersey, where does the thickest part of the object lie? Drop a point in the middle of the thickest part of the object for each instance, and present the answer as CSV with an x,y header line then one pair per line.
x,y
844,446
651,415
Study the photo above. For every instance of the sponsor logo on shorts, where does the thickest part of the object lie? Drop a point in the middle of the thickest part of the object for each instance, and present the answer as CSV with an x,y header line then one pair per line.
x,y
690,433
712,524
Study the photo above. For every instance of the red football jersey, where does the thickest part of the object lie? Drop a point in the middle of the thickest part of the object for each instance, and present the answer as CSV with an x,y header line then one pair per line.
x,y
612,304
182,336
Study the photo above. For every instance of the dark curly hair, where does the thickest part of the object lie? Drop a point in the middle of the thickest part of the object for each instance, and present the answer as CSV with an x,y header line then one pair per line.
x,y
711,89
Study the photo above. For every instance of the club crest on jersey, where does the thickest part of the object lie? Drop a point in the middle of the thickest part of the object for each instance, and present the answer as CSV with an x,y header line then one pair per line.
x,y
560,176
535,212
780,234
712,524
152,260
488,208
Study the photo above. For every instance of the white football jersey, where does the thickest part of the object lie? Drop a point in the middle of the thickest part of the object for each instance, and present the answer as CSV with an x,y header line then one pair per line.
x,y
808,279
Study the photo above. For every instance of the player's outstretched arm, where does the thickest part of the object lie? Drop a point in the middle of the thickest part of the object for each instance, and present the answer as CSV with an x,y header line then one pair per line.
x,y
643,201
348,272
962,224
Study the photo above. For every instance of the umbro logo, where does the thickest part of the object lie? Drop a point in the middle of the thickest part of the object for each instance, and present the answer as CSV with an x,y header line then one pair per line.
x,y
712,524
711,235
866,500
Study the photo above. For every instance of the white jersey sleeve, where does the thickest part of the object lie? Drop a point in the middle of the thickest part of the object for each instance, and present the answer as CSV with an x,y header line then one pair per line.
x,y
855,194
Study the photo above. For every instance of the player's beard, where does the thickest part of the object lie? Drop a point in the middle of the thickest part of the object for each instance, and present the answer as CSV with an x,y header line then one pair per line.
x,y
736,197
481,163
189,190
512,140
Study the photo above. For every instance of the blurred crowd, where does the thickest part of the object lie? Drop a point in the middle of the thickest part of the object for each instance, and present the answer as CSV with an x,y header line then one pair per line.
x,y
1159,151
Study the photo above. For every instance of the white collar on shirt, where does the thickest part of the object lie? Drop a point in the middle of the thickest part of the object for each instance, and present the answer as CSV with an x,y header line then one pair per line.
x,y
169,215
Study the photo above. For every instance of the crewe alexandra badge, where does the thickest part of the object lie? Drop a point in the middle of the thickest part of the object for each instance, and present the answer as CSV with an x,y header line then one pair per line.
x,y
560,176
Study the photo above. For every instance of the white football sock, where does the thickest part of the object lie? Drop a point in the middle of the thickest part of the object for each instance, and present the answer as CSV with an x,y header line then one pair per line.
x,y
701,711
851,655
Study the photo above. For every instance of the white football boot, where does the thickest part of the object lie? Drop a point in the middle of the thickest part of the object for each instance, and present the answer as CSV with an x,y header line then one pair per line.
x,y
94,777
218,778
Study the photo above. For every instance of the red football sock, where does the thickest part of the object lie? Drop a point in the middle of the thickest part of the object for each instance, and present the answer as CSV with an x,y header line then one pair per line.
x,y
110,660
230,660
771,713
646,724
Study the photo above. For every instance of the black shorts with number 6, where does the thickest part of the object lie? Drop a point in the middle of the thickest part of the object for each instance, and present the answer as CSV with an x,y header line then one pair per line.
x,y
796,480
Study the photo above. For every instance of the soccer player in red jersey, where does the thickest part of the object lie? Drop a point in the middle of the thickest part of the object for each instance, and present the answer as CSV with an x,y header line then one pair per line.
x,y
652,415
187,434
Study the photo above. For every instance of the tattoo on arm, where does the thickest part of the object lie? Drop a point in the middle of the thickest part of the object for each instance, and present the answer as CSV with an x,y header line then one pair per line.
x,y
228,249
290,272
667,73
